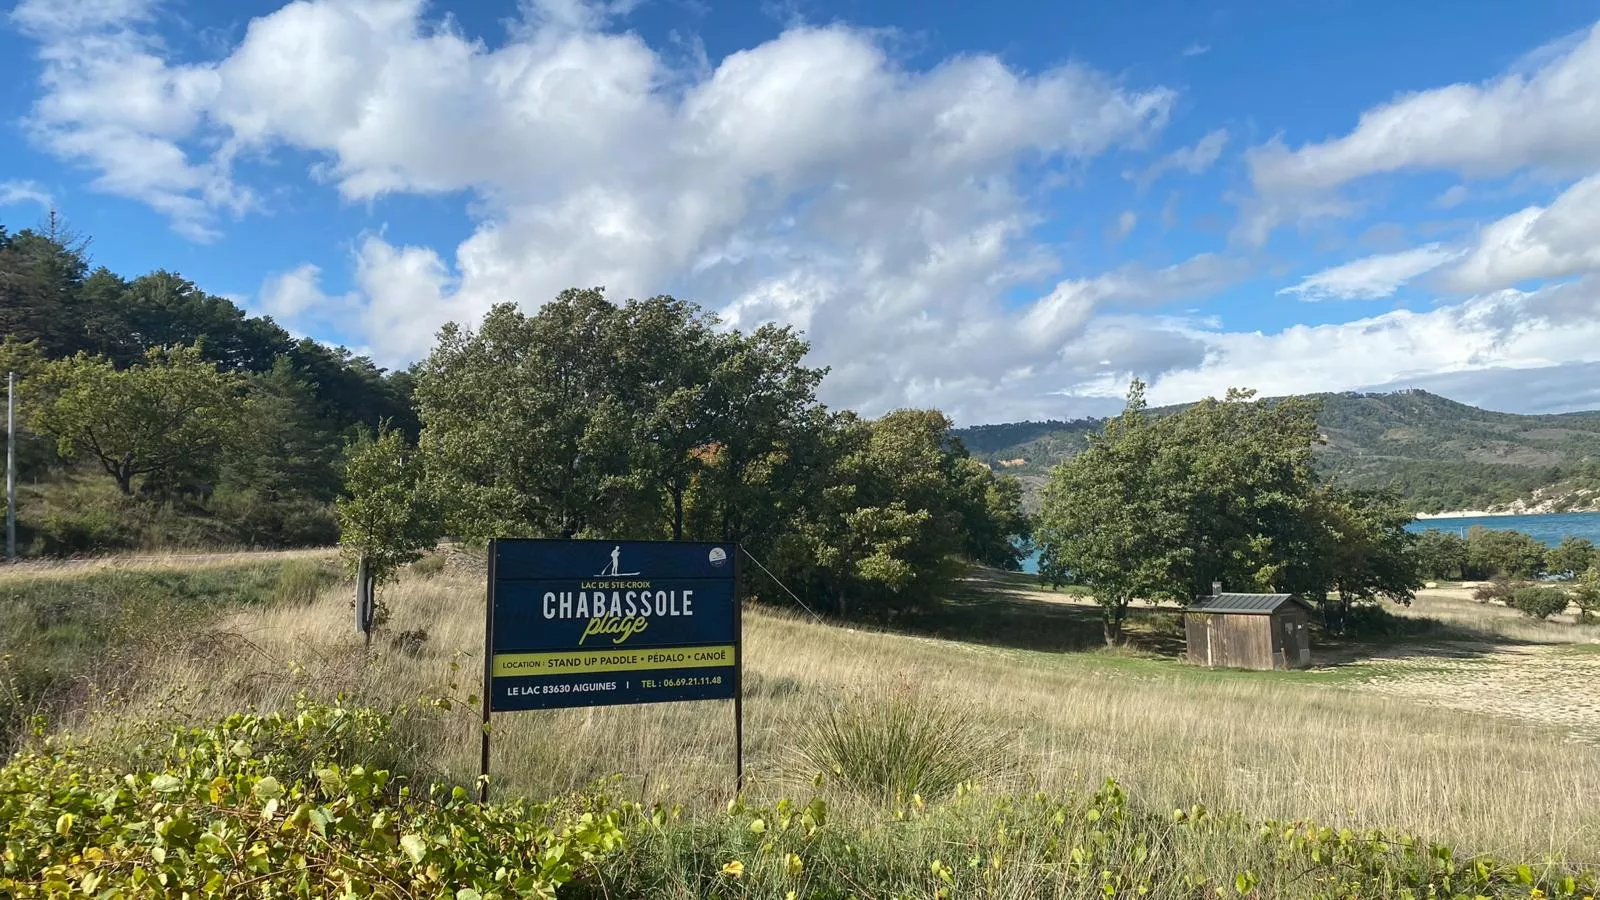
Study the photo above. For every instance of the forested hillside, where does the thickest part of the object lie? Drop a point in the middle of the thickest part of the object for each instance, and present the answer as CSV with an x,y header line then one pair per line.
x,y
1437,453
233,439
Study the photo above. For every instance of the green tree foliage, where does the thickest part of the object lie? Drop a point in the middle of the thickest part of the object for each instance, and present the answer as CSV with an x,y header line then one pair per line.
x,y
1511,554
1573,556
1224,490
1108,523
1586,594
387,515
167,419
1539,602
275,484
1441,555
647,420
1367,553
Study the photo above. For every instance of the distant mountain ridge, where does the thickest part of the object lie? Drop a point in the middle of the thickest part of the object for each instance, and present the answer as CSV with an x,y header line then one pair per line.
x,y
1439,454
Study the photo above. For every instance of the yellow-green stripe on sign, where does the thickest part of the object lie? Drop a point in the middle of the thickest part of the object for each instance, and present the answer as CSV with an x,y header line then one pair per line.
x,y
508,665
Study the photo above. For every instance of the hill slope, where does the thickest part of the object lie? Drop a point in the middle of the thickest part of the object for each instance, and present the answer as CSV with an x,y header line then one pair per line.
x,y
1439,454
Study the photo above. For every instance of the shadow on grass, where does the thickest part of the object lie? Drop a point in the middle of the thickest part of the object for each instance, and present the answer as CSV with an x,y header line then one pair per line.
x,y
1005,609
1013,610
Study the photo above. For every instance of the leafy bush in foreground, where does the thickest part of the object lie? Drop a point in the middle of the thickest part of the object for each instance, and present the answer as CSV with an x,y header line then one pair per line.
x,y
1097,844
284,806
263,806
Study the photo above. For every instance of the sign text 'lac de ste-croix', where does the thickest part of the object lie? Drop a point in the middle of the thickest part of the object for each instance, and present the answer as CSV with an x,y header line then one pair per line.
x,y
597,623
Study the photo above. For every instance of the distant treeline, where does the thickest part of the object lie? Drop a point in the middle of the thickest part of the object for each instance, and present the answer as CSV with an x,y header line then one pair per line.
x,y
258,467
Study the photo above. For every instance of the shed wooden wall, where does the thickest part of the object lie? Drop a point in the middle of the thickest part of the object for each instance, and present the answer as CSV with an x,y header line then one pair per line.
x,y
1246,641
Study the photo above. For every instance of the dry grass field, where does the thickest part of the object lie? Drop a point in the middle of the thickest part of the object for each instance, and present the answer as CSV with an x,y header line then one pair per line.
x,y
1470,738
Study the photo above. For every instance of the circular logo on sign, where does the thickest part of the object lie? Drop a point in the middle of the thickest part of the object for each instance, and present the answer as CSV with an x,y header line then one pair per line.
x,y
718,556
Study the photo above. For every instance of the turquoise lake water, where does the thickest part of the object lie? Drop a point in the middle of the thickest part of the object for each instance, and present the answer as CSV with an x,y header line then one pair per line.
x,y
1550,528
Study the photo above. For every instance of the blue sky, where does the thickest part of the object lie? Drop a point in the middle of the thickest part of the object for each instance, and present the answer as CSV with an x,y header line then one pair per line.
x,y
1005,209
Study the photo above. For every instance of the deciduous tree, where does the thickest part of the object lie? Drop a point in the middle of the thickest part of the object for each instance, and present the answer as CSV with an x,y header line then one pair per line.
x,y
171,415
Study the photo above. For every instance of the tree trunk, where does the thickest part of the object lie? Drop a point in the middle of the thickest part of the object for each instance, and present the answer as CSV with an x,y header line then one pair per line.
x,y
125,484
1112,620
677,511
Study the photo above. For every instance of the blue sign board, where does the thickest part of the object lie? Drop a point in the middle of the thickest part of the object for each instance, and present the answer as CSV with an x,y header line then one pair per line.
x,y
598,623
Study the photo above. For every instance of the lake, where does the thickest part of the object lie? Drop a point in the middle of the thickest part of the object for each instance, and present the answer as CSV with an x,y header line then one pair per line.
x,y
1551,528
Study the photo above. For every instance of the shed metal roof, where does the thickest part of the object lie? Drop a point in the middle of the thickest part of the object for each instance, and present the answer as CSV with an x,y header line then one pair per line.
x,y
1247,604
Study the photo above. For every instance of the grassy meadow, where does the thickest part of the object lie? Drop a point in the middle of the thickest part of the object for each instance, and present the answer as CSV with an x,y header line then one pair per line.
x,y
993,713
1315,744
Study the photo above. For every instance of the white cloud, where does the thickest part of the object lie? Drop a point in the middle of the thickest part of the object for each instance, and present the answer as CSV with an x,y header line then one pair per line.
x,y
1373,277
1197,50
811,178
1544,118
16,192
1126,222
1551,329
74,17
1452,197
1194,160
1536,243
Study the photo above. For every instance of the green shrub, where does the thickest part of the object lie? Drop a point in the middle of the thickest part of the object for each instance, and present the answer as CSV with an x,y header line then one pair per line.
x,y
1498,588
66,532
1539,602
893,749
275,806
1083,844
1586,594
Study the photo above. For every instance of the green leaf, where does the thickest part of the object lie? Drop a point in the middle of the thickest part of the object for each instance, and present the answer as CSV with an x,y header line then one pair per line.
x,y
415,849
468,894
166,784
268,788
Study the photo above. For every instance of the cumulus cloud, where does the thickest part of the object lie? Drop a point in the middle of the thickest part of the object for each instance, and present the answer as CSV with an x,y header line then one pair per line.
x,y
1555,329
1371,278
1544,118
1536,243
811,178
17,192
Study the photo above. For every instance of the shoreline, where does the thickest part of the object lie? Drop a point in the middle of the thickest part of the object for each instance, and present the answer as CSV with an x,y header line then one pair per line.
x,y
1485,514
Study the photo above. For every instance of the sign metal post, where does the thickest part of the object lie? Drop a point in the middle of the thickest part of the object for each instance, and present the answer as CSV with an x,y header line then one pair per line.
x,y
582,623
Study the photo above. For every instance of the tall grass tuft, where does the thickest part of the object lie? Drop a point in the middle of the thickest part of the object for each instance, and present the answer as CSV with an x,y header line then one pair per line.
x,y
904,746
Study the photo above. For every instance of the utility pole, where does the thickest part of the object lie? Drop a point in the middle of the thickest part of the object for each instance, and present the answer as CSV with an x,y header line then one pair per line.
x,y
11,467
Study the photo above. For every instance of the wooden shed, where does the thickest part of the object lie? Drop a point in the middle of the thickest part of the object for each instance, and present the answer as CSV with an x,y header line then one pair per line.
x,y
1249,631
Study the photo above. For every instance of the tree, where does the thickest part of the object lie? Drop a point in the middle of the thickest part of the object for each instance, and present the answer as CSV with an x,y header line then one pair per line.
x,y
1368,553
1509,553
168,418
1114,517
285,450
1441,555
1586,594
387,516
1243,470
664,350
1573,556
521,424
996,532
